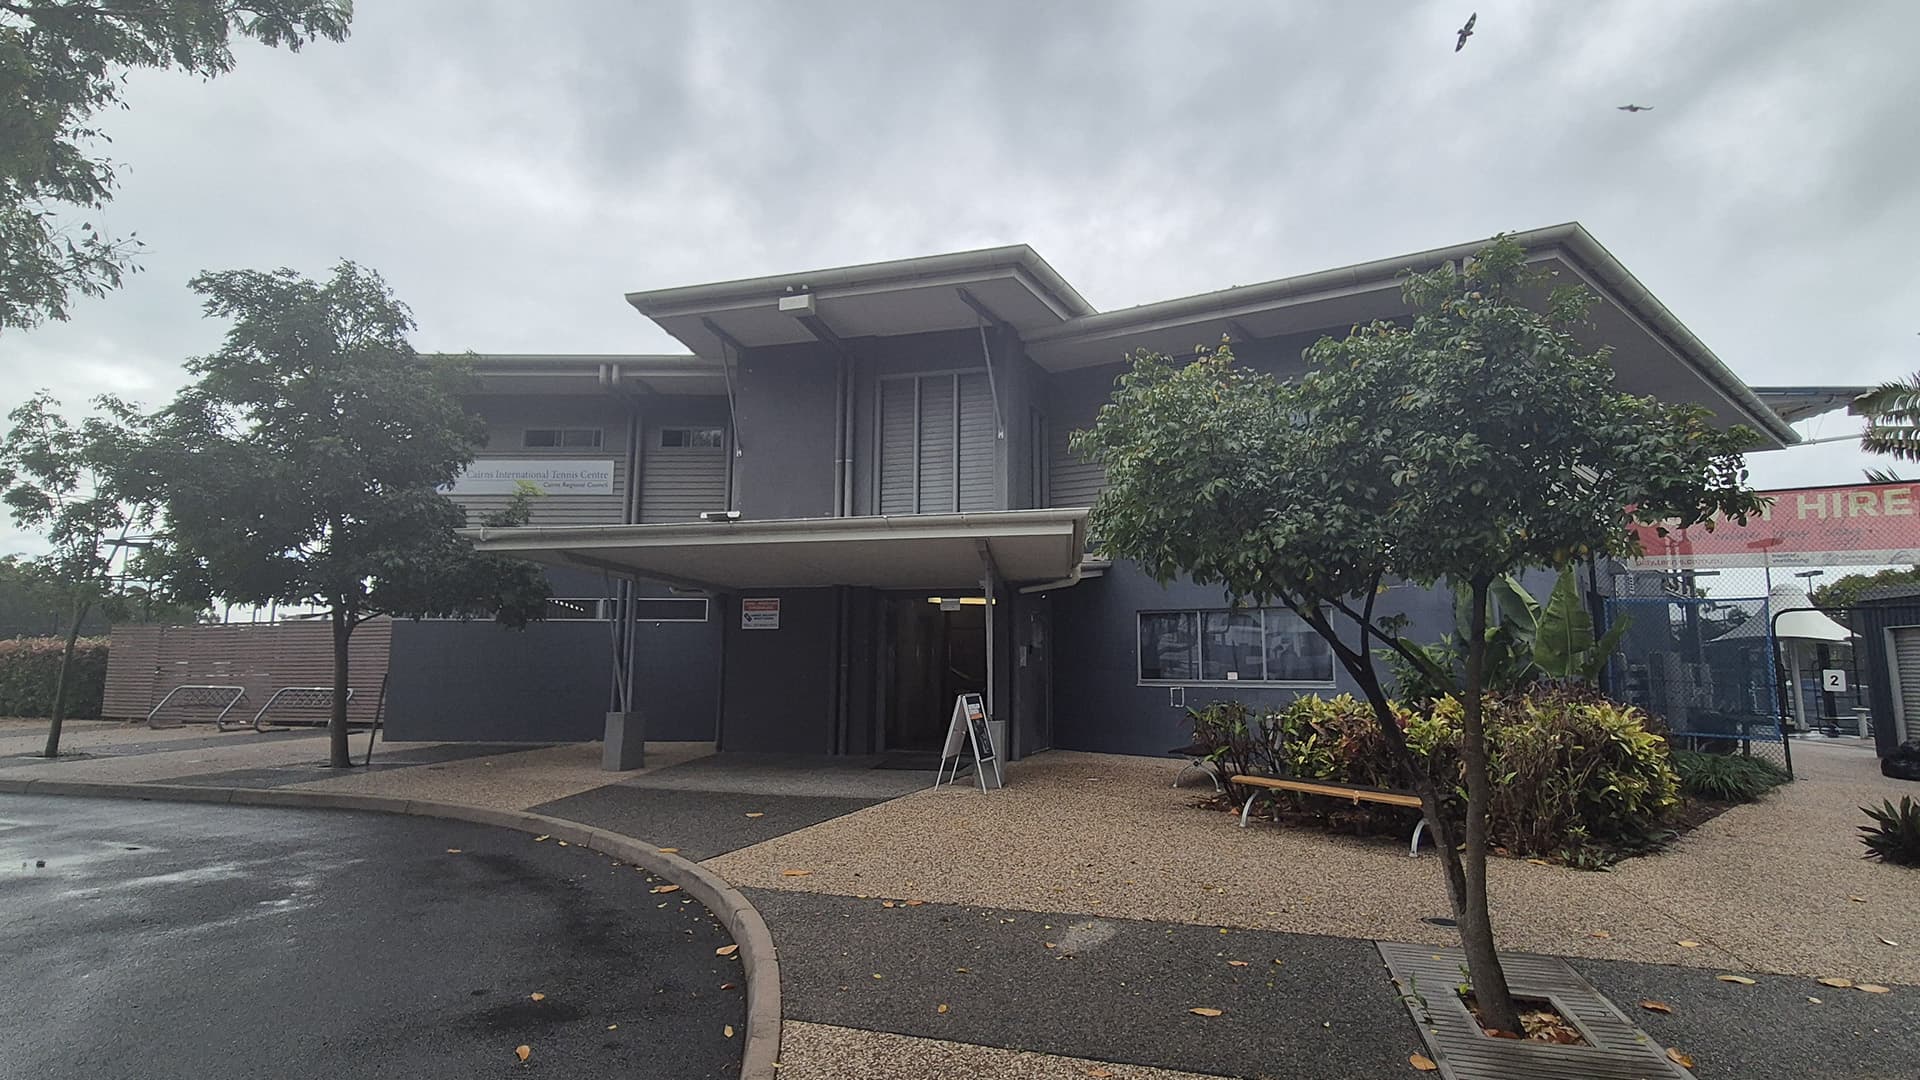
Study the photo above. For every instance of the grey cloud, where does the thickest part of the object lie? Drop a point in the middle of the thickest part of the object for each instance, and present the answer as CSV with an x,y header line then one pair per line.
x,y
514,168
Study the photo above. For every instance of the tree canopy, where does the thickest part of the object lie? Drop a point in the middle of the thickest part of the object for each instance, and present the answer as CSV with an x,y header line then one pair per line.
x,y
67,482
1479,438
304,463
62,62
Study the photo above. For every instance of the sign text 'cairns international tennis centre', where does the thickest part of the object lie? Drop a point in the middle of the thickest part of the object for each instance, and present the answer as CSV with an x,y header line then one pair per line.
x,y
1855,524
550,476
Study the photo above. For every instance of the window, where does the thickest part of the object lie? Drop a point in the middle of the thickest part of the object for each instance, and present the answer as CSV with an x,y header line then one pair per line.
x,y
558,438
700,438
670,609
574,608
1259,645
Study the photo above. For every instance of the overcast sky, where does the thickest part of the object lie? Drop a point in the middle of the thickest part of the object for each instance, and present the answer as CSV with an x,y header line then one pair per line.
x,y
513,168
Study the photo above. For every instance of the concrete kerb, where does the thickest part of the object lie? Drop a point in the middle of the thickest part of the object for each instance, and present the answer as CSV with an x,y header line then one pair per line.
x,y
758,960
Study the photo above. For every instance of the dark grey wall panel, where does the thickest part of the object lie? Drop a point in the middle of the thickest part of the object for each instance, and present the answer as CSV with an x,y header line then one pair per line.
x,y
481,682
785,463
778,689
1099,704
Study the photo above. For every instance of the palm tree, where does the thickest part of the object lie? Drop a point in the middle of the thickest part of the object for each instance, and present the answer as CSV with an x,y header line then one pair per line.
x,y
1893,419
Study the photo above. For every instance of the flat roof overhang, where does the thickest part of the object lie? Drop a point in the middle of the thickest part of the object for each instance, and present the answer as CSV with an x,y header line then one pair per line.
x,y
1653,351
904,296
927,551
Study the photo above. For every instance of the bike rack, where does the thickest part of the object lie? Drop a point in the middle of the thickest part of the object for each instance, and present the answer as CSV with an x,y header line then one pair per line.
x,y
200,695
306,697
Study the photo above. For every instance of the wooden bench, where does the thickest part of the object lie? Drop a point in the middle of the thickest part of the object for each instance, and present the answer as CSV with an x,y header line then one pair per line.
x,y
1334,790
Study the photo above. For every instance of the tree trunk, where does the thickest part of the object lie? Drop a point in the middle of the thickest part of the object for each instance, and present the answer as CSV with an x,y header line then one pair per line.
x,y
338,756
1476,926
57,714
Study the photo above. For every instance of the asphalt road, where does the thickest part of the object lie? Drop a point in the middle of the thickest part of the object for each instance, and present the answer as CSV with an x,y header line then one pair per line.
x,y
167,940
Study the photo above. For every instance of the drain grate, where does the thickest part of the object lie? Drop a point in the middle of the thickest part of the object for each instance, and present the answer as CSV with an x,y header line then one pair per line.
x,y
1618,1050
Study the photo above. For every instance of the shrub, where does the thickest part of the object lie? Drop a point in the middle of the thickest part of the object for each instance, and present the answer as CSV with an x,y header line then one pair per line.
x,y
1894,835
1577,776
1237,743
1726,777
29,667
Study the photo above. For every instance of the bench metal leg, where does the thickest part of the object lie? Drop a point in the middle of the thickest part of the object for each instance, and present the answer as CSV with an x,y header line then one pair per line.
x,y
1413,852
1247,809
1200,764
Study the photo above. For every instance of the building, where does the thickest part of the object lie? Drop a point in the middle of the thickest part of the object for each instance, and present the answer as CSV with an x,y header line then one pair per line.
x,y
891,513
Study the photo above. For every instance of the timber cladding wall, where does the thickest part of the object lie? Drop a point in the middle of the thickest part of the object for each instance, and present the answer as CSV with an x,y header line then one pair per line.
x,y
145,662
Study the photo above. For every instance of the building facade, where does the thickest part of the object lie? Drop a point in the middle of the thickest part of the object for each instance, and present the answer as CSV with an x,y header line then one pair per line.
x,y
854,499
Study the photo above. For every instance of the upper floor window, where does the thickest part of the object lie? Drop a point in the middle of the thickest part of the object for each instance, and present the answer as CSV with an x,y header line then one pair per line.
x,y
556,438
693,438
1260,645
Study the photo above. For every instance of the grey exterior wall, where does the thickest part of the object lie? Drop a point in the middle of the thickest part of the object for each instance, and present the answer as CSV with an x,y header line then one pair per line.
x,y
481,682
1871,622
508,418
778,692
1099,703
785,403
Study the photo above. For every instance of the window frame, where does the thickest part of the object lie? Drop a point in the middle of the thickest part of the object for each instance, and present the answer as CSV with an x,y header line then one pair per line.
x,y
560,438
690,430
1199,658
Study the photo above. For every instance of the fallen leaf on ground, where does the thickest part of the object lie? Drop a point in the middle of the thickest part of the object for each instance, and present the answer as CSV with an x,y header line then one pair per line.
x,y
886,903
729,1030
1656,1006
877,975
1539,862
1889,941
1679,1058
1236,963
1815,1001
1049,944
942,1008
537,839
1599,934
456,851
536,996
1872,988
726,950
613,1027
1421,1062
1741,979
1840,984
963,971
756,813
669,851
726,986
915,903
1687,943
523,1052
1100,1073
1858,899
796,873
563,843
666,888
1204,1012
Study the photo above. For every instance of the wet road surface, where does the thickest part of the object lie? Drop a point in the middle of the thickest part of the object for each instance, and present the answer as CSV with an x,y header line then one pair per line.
x,y
164,940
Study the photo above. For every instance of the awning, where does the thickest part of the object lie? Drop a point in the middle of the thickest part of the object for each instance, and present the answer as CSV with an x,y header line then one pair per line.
x,y
930,551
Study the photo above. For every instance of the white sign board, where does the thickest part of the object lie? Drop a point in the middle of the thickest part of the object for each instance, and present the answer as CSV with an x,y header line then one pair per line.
x,y
550,476
968,730
1833,680
760,613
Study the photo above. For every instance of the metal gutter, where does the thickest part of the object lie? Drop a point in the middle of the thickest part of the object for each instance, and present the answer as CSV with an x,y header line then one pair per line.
x,y
907,526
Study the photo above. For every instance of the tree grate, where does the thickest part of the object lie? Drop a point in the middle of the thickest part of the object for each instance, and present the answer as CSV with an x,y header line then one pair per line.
x,y
1427,978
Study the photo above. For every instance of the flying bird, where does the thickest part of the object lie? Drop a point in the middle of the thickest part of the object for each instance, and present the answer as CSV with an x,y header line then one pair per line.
x,y
1634,108
1466,32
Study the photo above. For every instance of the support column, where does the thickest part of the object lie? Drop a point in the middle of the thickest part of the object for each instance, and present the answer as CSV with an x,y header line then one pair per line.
x,y
625,742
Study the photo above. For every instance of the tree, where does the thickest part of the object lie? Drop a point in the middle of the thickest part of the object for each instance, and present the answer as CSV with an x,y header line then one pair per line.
x,y
1846,591
1892,411
65,481
304,464
1477,440
61,63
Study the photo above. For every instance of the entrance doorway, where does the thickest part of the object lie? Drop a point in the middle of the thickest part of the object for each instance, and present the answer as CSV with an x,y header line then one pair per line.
x,y
936,649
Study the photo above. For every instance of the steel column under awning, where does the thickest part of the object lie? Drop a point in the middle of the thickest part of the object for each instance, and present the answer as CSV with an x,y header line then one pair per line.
x,y
906,552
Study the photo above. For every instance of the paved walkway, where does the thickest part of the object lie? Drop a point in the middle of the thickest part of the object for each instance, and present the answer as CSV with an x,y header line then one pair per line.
x,y
171,940
1146,900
